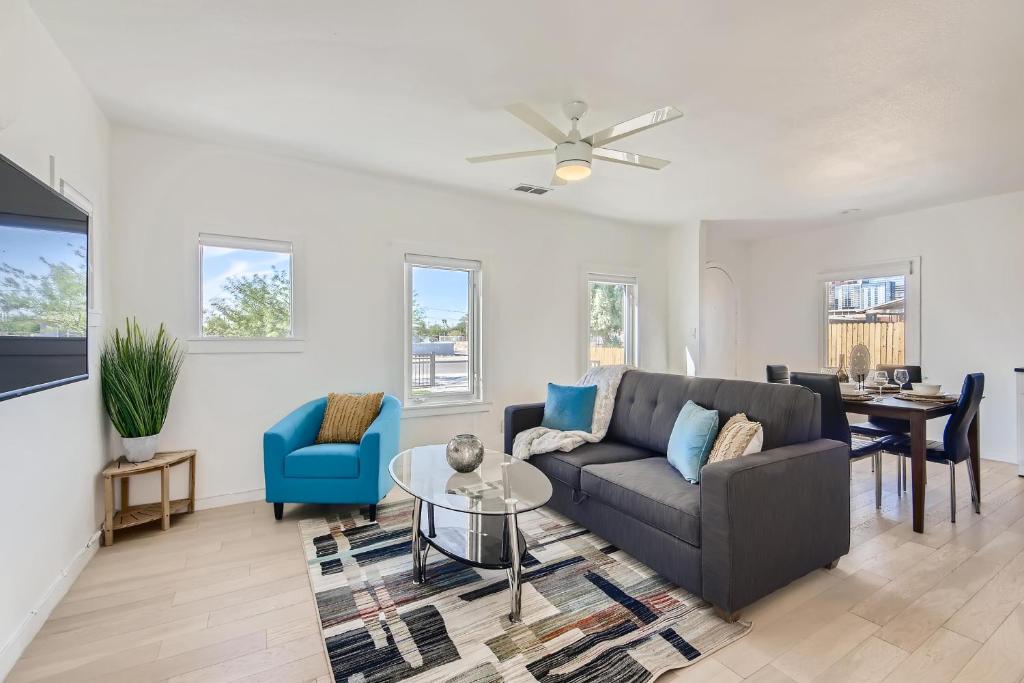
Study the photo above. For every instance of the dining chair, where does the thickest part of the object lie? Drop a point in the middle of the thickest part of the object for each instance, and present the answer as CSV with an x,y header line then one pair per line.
x,y
878,427
777,374
835,425
955,447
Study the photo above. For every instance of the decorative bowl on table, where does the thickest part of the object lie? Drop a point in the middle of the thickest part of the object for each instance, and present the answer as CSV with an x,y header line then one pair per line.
x,y
465,452
926,389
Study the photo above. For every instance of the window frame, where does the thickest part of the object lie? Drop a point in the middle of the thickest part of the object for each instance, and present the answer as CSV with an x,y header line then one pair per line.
x,y
202,343
632,313
475,395
92,269
910,268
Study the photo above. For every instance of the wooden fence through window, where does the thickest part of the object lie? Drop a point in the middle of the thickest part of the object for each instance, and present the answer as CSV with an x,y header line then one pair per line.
x,y
607,355
885,341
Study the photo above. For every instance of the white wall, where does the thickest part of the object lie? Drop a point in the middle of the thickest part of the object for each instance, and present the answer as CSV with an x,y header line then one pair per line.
x,y
723,282
351,231
971,284
684,297
52,443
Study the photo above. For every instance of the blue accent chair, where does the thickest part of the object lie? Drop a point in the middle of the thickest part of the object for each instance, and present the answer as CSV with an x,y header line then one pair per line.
x,y
299,470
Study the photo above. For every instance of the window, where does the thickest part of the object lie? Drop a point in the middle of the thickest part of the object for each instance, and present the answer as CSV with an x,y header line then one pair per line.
x,y
611,320
443,330
874,306
245,288
83,203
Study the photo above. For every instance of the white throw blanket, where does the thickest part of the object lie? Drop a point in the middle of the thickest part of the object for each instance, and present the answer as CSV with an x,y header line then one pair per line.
x,y
543,440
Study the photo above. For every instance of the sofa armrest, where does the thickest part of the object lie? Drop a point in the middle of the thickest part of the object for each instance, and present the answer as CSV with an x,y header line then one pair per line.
x,y
379,444
521,417
296,430
770,518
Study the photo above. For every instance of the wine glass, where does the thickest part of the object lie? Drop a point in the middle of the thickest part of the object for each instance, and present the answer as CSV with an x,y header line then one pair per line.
x,y
902,376
881,379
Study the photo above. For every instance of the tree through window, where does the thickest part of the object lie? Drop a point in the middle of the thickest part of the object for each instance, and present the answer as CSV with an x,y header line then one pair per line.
x,y
611,320
246,288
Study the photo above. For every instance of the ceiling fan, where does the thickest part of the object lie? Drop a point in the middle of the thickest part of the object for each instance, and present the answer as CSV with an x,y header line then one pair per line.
x,y
573,153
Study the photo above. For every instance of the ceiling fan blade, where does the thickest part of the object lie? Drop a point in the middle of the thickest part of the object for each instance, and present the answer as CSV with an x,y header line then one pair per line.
x,y
555,181
634,125
630,159
527,115
510,155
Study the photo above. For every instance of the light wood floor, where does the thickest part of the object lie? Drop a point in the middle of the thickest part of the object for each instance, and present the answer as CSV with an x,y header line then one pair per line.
x,y
223,596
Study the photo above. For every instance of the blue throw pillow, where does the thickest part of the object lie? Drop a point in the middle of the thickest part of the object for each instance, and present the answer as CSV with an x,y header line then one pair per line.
x,y
692,438
569,408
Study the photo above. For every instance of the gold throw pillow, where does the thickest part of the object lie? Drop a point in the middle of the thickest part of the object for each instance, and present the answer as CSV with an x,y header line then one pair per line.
x,y
348,416
738,437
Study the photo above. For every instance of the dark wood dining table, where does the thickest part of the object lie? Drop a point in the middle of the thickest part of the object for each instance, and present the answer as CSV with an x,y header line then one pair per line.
x,y
918,414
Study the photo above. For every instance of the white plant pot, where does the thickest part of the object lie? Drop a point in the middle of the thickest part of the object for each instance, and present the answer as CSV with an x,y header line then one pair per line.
x,y
140,449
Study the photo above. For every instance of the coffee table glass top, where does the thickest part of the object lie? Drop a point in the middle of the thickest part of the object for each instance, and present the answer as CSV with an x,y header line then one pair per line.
x,y
502,484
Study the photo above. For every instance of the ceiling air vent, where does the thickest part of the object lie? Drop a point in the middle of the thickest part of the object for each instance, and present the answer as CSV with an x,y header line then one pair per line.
x,y
531,189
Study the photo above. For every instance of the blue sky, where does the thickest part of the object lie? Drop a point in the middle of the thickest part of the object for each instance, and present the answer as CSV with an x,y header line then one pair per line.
x,y
441,293
220,263
23,247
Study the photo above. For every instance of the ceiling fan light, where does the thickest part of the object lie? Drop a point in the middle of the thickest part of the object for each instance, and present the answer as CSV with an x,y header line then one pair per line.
x,y
573,169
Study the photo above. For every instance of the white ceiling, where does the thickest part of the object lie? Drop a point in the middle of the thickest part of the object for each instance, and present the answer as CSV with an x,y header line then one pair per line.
x,y
795,110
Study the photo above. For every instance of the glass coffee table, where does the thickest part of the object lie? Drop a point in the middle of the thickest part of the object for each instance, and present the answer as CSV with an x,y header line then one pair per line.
x,y
471,518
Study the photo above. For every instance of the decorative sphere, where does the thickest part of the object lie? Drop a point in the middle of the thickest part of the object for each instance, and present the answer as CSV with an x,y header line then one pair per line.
x,y
465,452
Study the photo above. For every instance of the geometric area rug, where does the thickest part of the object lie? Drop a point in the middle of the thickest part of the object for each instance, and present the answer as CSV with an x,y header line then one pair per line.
x,y
590,612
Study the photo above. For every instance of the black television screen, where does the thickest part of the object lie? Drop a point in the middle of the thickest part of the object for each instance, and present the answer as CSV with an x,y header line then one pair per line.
x,y
44,256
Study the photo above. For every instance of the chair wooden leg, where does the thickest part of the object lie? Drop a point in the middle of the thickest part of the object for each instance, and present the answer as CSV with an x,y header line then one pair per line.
x,y
278,510
373,512
903,467
952,492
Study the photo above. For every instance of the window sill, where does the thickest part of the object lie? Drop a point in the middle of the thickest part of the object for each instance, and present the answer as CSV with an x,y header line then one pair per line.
x,y
206,345
435,409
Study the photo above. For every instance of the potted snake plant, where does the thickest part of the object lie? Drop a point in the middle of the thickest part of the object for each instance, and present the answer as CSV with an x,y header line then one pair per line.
x,y
137,374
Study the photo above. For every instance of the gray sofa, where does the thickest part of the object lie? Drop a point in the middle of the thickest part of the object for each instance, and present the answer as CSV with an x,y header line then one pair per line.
x,y
752,525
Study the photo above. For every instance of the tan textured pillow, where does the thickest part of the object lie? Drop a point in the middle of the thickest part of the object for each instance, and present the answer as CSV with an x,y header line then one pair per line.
x,y
348,416
738,437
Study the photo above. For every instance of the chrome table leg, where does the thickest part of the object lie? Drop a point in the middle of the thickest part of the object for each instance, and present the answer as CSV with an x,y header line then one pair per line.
x,y
515,572
417,558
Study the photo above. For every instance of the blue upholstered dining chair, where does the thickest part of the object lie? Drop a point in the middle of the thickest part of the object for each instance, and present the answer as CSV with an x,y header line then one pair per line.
x,y
878,427
299,470
955,446
834,424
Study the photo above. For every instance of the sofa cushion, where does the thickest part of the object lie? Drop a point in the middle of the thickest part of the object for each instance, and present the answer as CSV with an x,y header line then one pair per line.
x,y
348,416
565,467
650,491
323,461
647,403
692,438
569,408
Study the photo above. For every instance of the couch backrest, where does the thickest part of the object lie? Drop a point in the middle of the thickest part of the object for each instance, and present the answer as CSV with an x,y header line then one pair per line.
x,y
647,404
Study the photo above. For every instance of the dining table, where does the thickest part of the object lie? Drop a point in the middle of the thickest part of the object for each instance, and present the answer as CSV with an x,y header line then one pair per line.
x,y
917,413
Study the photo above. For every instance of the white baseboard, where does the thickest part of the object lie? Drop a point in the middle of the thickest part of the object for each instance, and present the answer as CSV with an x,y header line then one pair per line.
x,y
30,625
230,499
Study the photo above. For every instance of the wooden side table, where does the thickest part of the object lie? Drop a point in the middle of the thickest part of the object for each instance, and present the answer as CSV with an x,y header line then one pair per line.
x,y
133,515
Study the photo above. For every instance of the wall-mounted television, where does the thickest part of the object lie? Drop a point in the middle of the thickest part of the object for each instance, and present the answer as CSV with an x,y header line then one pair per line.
x,y
44,307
